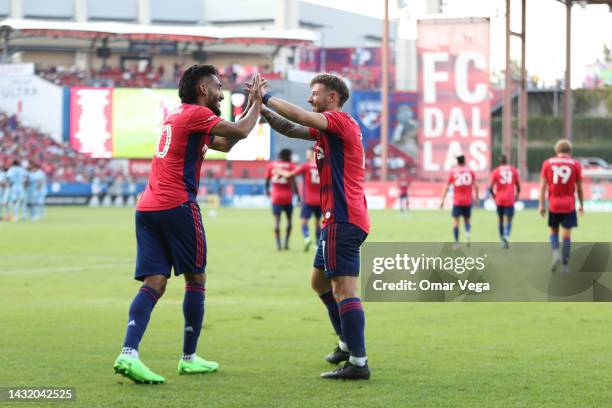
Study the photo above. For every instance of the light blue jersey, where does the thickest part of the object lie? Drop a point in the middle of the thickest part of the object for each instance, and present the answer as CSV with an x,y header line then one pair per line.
x,y
37,191
17,177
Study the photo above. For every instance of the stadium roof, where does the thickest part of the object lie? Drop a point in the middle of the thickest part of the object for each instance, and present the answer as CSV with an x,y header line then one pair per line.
x,y
19,28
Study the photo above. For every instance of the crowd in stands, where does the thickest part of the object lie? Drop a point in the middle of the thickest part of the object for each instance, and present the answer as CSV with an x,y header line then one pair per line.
x,y
149,76
58,160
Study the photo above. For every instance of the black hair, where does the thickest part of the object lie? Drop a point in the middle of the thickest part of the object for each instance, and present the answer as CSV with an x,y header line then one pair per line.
x,y
190,79
461,160
503,159
16,163
285,155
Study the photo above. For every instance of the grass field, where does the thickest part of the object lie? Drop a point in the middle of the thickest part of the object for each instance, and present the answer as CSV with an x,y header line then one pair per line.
x,y
66,285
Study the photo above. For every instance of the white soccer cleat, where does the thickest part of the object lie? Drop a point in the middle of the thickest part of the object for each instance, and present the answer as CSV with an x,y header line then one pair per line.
x,y
556,260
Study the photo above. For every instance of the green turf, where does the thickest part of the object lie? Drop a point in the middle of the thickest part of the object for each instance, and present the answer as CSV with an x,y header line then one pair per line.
x,y
66,285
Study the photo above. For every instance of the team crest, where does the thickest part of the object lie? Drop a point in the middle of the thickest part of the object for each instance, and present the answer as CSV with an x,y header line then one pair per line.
x,y
369,114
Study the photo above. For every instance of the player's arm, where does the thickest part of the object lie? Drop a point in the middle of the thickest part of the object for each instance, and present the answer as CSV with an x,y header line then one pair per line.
x,y
297,114
294,187
580,196
268,186
476,197
224,144
444,194
543,186
241,129
284,126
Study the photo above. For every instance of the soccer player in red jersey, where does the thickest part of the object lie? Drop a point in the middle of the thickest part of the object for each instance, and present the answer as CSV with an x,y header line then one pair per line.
x,y
340,160
403,183
169,230
281,194
505,187
311,197
465,189
561,176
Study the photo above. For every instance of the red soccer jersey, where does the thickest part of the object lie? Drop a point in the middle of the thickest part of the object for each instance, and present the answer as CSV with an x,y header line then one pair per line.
x,y
312,185
561,173
175,171
504,180
462,179
403,186
281,193
341,163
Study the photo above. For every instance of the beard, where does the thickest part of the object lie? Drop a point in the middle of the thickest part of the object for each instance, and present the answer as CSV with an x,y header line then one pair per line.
x,y
215,109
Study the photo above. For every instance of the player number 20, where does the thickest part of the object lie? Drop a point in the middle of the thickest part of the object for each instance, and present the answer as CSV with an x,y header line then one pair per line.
x,y
163,144
561,174
463,179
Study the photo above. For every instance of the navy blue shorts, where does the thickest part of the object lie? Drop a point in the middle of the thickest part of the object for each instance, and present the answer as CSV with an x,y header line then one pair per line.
x,y
508,211
338,250
308,210
170,239
567,220
462,210
277,209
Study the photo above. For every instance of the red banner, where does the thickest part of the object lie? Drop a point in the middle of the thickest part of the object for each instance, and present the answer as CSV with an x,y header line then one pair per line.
x,y
91,121
454,106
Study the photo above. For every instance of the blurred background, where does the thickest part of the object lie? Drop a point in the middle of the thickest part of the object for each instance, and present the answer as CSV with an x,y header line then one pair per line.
x,y
85,85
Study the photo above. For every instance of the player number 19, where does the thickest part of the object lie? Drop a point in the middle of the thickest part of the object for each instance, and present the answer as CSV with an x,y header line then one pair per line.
x,y
561,174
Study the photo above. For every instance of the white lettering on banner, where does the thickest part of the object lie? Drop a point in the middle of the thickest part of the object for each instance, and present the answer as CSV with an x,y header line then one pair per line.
x,y
428,161
92,127
430,59
433,122
479,151
462,77
456,123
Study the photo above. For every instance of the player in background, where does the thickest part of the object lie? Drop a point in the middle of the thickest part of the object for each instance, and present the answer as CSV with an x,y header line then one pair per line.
x,y
3,192
17,177
311,197
465,189
403,183
340,160
169,230
281,193
37,191
561,177
505,188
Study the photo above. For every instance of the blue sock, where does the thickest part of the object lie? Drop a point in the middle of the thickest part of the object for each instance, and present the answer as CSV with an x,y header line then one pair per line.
x,y
456,233
305,231
500,228
332,310
287,234
567,244
554,241
193,311
508,228
353,325
318,231
140,313
468,227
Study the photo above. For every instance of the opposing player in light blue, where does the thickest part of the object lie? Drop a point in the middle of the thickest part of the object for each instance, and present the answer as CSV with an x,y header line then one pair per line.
x,y
17,177
37,191
3,193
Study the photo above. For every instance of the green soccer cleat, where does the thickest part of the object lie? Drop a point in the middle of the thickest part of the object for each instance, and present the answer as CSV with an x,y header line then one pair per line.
x,y
197,366
135,370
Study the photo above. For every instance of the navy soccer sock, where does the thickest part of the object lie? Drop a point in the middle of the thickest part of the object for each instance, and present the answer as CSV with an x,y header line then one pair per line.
x,y
332,310
353,325
468,228
305,231
567,245
508,228
139,315
193,311
318,231
554,241
500,228
456,233
277,237
287,234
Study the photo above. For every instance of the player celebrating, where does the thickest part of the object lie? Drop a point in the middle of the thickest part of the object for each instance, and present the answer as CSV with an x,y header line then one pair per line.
x,y
169,231
464,188
341,163
562,177
281,194
311,197
505,188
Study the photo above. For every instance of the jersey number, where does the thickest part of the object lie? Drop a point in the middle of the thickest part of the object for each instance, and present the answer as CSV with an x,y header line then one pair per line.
x,y
163,144
505,177
561,174
314,176
463,179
